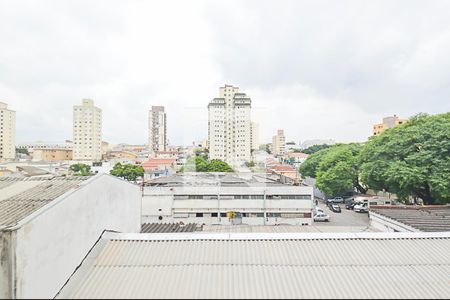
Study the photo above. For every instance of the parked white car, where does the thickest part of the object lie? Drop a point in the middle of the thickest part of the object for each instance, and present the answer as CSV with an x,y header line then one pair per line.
x,y
318,210
321,217
362,207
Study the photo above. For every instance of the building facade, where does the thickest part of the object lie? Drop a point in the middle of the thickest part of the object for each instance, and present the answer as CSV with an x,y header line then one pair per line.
x,y
210,198
7,133
388,122
229,126
157,127
87,131
279,143
255,136
52,154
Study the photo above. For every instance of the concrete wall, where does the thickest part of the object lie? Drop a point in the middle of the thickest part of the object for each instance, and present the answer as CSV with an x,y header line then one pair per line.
x,y
4,265
51,245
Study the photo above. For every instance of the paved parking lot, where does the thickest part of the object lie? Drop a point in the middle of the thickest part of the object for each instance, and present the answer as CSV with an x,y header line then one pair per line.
x,y
347,218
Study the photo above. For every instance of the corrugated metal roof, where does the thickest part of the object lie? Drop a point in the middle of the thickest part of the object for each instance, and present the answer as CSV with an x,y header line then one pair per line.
x,y
24,202
169,227
427,219
267,268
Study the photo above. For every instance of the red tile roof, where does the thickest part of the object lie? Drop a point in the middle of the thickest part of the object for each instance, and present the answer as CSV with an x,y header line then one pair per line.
x,y
155,163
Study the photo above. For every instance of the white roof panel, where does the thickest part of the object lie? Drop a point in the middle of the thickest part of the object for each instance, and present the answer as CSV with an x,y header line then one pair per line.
x,y
266,266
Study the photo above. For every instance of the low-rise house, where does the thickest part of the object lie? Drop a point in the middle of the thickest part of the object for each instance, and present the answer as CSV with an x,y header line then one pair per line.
x,y
296,158
285,170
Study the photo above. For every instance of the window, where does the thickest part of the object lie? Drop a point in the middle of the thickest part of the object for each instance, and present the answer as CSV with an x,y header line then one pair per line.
x,y
199,215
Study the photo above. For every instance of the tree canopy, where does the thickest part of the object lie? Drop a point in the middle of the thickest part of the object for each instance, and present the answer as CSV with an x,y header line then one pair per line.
x,y
202,164
129,172
81,170
335,168
411,160
315,148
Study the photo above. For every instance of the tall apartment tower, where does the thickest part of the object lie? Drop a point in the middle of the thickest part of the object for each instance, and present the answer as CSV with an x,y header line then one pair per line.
x,y
279,143
7,133
157,127
87,131
229,126
255,136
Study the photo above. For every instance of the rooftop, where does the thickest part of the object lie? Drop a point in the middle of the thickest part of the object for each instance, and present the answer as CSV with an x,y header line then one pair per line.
x,y
423,218
214,178
21,197
289,265
169,228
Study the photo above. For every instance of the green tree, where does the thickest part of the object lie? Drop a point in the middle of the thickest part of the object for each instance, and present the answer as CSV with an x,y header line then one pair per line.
x,y
216,165
338,171
266,147
129,172
201,164
81,170
315,148
310,166
22,151
411,160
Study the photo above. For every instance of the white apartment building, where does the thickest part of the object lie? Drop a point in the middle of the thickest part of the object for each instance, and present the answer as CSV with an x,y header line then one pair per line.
x,y
229,126
279,143
7,132
157,127
255,136
87,131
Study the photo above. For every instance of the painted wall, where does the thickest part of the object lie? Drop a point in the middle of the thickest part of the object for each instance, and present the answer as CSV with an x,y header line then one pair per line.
x,y
51,246
4,265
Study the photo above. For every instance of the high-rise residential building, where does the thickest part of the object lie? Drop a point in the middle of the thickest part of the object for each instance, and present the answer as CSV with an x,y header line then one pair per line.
x,y
87,131
157,127
388,122
229,126
7,133
255,136
279,143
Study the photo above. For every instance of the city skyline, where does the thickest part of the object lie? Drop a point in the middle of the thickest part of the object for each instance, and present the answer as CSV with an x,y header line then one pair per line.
x,y
328,81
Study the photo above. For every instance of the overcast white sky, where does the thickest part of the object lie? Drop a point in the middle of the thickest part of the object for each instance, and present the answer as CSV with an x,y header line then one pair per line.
x,y
317,69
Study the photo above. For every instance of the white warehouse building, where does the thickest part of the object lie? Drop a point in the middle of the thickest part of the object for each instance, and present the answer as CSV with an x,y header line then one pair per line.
x,y
224,199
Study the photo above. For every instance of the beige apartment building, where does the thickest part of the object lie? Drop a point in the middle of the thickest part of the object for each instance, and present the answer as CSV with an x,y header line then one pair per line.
x,y
157,127
7,133
388,122
255,136
229,126
279,143
51,155
87,131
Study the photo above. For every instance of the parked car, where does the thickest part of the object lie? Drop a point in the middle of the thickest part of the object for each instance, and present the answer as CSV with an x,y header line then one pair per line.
x,y
361,207
336,208
350,205
318,210
321,217
335,200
